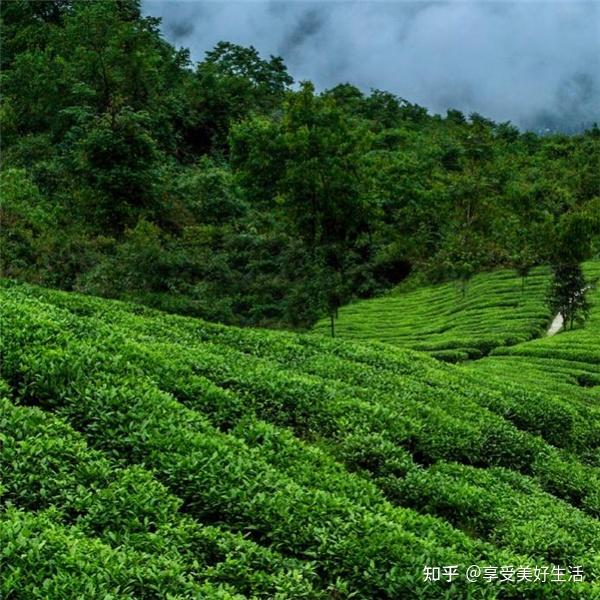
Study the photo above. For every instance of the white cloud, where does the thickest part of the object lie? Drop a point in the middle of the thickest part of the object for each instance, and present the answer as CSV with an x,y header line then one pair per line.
x,y
531,62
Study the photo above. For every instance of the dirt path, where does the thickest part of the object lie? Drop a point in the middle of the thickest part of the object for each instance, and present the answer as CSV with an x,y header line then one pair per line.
x,y
556,325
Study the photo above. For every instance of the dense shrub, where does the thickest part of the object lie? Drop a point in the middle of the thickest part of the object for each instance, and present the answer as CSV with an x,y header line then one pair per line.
x,y
323,452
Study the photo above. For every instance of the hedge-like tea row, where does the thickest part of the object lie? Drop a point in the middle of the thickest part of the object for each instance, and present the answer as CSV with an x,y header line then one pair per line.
x,y
565,366
433,426
100,367
562,424
279,393
559,421
41,559
451,323
495,504
46,464
220,480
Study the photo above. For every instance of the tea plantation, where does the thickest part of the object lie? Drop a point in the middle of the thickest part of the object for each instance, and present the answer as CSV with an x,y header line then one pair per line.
x,y
450,321
147,455
567,364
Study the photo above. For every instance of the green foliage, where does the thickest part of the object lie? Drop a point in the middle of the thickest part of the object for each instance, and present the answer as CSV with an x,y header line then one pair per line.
x,y
353,462
42,559
47,465
117,158
450,321
563,366
148,455
568,294
25,218
274,205
230,84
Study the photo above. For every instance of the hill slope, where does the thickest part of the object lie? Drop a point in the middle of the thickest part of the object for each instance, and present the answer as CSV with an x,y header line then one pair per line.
x,y
495,309
146,454
567,364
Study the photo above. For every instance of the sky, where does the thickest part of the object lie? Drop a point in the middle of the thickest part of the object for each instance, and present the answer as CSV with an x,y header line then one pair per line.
x,y
535,63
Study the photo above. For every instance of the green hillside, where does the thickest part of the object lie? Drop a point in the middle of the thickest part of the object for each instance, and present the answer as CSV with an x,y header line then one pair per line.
x,y
567,364
449,321
220,188
177,237
147,455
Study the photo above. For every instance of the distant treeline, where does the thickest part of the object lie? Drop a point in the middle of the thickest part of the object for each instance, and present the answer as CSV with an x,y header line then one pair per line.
x,y
222,190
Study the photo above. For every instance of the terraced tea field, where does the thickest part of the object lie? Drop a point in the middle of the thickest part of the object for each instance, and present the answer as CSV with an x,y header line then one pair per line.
x,y
146,455
453,324
567,364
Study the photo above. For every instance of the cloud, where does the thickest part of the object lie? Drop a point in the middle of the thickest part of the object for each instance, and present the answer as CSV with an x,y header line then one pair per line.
x,y
535,63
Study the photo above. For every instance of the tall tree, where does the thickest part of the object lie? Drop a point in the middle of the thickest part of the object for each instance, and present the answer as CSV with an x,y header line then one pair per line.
x,y
568,294
312,160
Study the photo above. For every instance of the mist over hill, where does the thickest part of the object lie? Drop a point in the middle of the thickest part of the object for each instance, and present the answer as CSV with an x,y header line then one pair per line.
x,y
536,64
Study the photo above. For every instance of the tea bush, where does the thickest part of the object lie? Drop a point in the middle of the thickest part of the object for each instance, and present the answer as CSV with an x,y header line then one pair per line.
x,y
448,321
279,465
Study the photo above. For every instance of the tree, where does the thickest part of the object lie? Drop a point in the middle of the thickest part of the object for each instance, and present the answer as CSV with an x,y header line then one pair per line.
x,y
221,191
24,219
567,294
309,160
320,182
232,60
230,84
116,155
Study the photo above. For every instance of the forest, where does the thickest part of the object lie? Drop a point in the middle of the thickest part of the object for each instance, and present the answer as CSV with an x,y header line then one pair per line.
x,y
228,191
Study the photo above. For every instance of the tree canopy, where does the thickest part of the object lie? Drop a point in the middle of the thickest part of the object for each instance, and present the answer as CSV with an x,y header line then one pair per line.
x,y
221,189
